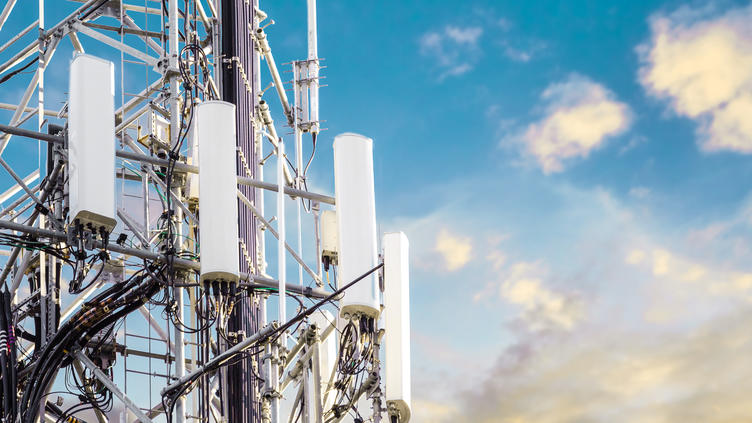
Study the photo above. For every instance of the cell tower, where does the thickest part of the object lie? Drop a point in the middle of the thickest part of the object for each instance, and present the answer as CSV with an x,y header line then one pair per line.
x,y
136,285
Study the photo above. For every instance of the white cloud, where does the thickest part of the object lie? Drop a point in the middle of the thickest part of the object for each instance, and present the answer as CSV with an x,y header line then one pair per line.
x,y
517,55
469,35
651,314
453,49
504,24
704,278
520,49
430,42
522,285
703,65
543,308
432,411
634,141
579,116
457,70
456,50
639,192
658,324
455,250
635,256
613,376
497,258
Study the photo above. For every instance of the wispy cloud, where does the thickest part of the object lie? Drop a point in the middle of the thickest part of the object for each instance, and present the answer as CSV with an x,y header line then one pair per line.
x,y
522,285
434,411
457,49
520,49
469,35
455,250
702,64
516,54
688,273
579,116
454,50
624,326
612,376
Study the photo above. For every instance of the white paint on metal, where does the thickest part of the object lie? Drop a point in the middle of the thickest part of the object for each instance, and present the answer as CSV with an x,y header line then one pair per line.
x,y
6,12
281,256
151,61
313,67
17,188
327,355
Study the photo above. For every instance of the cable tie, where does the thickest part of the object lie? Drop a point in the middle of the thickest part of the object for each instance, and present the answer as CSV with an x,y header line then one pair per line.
x,y
41,209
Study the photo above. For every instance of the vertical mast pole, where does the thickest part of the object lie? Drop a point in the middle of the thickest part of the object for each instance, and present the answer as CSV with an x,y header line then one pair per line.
x,y
172,70
40,83
297,74
42,255
281,262
313,67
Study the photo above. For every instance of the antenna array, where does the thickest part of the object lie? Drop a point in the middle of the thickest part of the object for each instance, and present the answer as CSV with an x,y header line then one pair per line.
x,y
136,285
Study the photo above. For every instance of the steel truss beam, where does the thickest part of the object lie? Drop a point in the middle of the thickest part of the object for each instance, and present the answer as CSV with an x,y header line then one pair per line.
x,y
241,346
80,27
267,225
27,95
249,281
206,13
179,166
106,381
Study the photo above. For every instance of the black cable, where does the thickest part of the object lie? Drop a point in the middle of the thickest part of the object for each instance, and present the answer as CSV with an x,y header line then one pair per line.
x,y
170,396
172,158
313,153
75,288
17,71
105,309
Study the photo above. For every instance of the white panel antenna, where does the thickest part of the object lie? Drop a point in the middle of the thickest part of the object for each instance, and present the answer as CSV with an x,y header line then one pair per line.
x,y
91,142
218,203
356,217
201,227
397,320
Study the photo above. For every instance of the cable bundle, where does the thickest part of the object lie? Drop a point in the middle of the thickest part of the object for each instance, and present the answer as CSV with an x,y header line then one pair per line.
x,y
7,359
356,352
171,394
105,309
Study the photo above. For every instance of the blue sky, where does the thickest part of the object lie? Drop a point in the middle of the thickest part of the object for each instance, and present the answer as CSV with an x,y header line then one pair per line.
x,y
572,180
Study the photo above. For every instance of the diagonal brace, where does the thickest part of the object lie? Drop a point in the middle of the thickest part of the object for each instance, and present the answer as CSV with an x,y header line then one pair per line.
x,y
266,224
22,184
86,361
115,43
